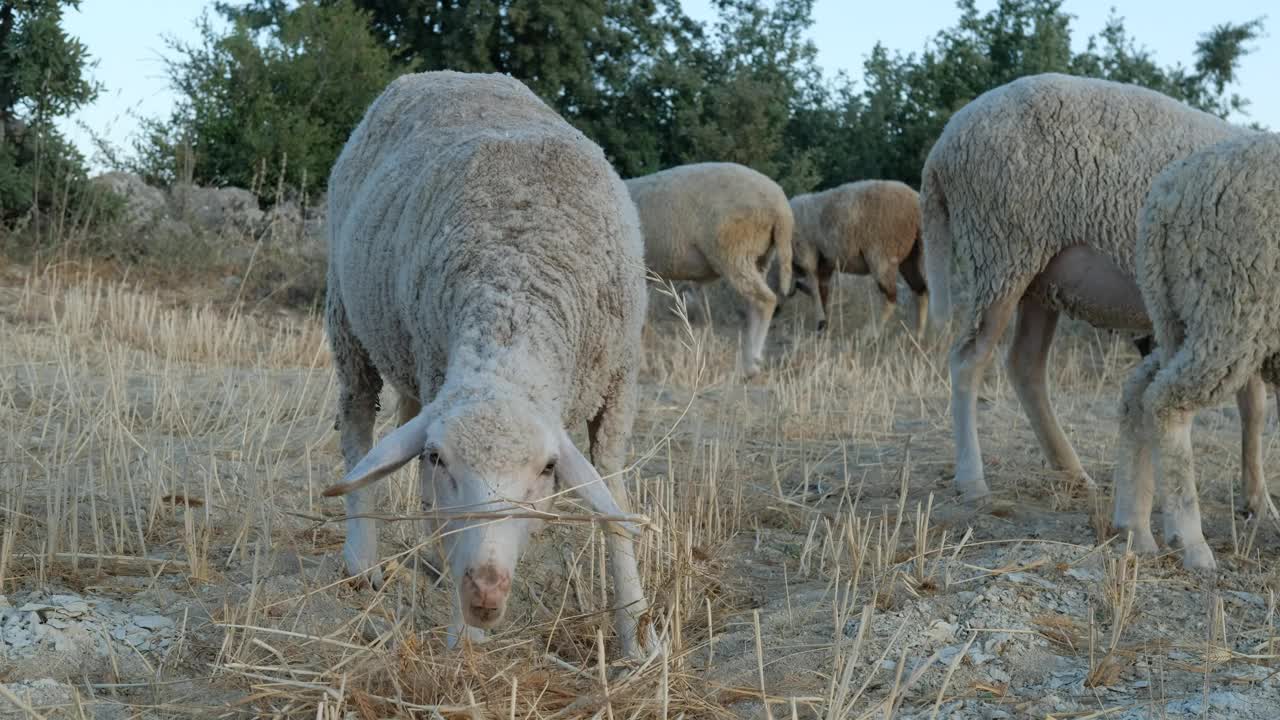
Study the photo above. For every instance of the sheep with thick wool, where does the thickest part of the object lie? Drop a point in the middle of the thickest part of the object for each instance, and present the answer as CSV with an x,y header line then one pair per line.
x,y
718,219
868,227
1034,189
1208,254
486,260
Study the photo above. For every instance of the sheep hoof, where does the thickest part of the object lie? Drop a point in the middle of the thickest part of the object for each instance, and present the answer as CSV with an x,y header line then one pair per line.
x,y
1144,543
363,571
973,491
1259,506
1198,558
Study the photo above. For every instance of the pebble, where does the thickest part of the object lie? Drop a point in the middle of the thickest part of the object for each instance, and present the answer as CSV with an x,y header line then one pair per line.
x,y
153,622
70,624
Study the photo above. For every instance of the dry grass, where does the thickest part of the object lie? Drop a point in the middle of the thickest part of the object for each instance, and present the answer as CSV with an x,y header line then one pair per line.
x,y
806,556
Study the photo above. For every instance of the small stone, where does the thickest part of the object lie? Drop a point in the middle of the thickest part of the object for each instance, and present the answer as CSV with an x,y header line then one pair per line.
x,y
999,675
1082,574
153,622
941,631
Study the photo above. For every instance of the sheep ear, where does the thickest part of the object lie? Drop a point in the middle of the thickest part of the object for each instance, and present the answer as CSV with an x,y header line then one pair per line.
x,y
397,448
578,474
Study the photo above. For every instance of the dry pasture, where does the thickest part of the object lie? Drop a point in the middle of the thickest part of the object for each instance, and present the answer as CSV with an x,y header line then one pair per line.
x,y
164,551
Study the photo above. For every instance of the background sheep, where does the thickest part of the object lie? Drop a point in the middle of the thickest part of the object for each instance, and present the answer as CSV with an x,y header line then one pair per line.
x,y
710,220
1035,187
868,227
486,260
1207,258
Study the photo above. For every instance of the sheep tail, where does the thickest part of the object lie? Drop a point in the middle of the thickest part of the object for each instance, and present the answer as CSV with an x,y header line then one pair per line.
x,y
936,240
783,229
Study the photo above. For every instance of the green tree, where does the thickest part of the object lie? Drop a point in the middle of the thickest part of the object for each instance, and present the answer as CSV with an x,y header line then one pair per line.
x,y
270,100
42,78
888,123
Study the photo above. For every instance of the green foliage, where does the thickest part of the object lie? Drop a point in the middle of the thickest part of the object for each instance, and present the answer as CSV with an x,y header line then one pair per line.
x,y
653,87
885,127
42,78
270,100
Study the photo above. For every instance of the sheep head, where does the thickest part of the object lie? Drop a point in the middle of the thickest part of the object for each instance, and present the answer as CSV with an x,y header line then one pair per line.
x,y
500,459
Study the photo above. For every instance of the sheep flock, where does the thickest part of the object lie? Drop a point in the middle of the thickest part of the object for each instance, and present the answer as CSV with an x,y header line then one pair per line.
x,y
601,508
499,310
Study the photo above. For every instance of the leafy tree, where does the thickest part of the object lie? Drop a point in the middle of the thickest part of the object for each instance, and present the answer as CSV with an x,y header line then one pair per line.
x,y
42,78
271,99
887,125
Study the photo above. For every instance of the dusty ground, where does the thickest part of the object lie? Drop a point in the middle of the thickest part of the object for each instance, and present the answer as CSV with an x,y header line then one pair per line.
x,y
165,551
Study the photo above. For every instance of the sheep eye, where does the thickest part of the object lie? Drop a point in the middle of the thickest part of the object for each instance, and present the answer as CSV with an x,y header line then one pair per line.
x,y
433,459
550,468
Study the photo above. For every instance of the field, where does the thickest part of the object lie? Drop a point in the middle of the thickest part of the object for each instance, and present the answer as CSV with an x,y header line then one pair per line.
x,y
164,551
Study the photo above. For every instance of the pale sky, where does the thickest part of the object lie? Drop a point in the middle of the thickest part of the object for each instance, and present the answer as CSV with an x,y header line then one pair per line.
x,y
126,38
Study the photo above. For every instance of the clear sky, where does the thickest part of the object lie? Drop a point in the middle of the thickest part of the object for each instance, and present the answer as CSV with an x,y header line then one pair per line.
x,y
127,39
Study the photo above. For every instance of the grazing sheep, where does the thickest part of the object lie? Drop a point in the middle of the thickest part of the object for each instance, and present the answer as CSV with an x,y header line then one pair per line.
x,y
710,220
1207,257
868,227
485,259
1035,186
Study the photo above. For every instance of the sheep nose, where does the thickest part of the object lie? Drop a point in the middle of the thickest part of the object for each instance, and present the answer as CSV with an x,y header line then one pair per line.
x,y
484,591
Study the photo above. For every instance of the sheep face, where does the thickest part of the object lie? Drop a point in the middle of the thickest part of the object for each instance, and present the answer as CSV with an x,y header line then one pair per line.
x,y
486,456
487,460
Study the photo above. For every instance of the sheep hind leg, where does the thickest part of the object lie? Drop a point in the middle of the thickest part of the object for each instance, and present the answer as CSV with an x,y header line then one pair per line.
x,y
970,356
1134,477
1184,385
887,283
1026,364
1252,403
359,385
608,432
743,277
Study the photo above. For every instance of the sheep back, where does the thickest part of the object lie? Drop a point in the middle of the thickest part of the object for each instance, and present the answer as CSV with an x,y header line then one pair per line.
x,y
694,216
1209,252
465,215
1044,162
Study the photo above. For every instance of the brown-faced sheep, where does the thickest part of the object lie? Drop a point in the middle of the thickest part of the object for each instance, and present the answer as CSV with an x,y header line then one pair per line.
x,y
868,227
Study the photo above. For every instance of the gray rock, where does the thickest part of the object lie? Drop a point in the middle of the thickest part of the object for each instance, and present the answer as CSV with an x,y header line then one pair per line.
x,y
153,622
217,209
143,203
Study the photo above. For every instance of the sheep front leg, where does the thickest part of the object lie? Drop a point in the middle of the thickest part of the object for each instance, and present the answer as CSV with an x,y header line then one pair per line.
x,y
1134,478
608,432
358,387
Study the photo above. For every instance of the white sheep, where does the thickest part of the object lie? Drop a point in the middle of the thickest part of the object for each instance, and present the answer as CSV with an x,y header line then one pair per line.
x,y
1208,255
1035,188
710,220
486,260
868,227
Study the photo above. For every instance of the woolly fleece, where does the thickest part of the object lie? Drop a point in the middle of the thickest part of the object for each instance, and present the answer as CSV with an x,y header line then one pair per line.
x,y
1207,257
